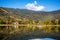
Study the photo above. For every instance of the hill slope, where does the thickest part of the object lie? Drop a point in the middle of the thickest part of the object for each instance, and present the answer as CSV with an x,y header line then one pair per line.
x,y
32,15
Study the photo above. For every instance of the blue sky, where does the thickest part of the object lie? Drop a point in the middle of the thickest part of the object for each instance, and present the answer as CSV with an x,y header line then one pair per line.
x,y
36,5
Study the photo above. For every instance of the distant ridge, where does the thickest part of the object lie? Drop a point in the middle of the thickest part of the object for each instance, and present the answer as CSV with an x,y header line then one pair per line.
x,y
29,14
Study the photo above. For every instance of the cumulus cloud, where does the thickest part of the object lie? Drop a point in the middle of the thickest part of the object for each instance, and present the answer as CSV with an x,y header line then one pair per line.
x,y
34,6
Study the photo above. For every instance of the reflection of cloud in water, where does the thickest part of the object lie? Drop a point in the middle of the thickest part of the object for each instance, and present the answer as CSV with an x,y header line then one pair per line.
x,y
34,39
42,39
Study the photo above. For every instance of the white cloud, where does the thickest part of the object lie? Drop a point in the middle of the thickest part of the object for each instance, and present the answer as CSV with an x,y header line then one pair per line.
x,y
34,6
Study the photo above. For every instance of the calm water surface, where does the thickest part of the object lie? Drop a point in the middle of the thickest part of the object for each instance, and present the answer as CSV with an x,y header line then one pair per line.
x,y
42,39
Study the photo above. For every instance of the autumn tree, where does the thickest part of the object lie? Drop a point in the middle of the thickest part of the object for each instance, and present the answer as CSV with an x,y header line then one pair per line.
x,y
57,27
48,24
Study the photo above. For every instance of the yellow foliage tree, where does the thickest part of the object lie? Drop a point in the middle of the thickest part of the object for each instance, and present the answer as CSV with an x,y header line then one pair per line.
x,y
48,23
56,22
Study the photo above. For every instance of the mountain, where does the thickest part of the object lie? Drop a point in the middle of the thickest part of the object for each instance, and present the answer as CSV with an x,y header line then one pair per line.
x,y
28,14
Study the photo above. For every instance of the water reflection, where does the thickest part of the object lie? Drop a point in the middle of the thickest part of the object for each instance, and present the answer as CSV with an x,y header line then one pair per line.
x,y
42,39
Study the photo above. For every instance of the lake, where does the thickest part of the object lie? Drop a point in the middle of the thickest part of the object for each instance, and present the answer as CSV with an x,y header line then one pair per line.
x,y
42,39
29,38
33,39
